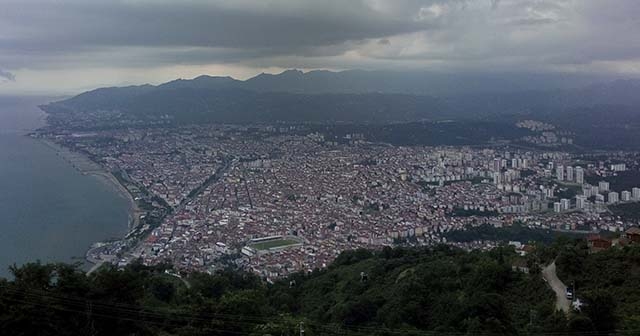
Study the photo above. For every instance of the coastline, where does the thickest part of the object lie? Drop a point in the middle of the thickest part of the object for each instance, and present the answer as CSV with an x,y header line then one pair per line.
x,y
86,166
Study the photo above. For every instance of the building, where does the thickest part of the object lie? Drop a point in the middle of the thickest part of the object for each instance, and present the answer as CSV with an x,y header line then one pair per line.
x,y
497,164
569,173
625,196
557,207
560,173
579,175
581,202
633,234
603,186
565,204
597,243
635,193
618,167
613,197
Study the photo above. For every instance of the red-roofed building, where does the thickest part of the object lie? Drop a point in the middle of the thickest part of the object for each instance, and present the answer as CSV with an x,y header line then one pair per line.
x,y
597,243
633,234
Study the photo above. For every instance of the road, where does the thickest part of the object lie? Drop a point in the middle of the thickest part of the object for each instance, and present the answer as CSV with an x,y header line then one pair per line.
x,y
549,274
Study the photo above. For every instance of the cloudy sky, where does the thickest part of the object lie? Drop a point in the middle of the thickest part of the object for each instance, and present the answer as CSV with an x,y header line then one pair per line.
x,y
66,46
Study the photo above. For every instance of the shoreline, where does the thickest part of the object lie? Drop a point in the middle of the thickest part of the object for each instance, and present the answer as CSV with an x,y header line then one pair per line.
x,y
85,166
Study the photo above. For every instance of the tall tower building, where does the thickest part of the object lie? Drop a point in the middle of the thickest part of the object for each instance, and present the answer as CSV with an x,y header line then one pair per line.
x,y
560,173
496,165
579,175
569,173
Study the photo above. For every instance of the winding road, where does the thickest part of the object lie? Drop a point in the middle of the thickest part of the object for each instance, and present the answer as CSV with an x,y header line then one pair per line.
x,y
549,274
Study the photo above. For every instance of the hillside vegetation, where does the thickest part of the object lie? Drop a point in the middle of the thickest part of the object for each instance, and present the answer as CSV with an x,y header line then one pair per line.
x,y
438,291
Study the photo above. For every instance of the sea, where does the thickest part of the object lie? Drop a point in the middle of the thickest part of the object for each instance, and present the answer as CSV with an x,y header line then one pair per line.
x,y
49,211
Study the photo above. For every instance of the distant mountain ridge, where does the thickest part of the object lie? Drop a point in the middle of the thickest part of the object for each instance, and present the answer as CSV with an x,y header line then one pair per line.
x,y
361,81
354,96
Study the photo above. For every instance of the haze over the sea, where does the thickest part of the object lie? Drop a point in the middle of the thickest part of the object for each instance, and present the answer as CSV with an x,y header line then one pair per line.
x,y
48,210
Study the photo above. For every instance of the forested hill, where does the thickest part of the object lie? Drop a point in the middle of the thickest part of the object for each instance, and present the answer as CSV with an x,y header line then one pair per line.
x,y
351,96
441,291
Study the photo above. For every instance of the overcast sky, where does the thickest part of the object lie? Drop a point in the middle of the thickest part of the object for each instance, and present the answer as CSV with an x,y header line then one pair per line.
x,y
66,46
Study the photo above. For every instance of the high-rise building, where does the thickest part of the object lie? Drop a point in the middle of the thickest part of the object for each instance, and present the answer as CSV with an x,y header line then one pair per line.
x,y
613,197
565,203
579,175
625,196
560,173
580,202
557,207
635,193
569,174
603,186
586,191
496,164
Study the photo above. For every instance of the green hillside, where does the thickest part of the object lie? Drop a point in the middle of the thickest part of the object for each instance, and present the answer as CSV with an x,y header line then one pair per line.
x,y
439,291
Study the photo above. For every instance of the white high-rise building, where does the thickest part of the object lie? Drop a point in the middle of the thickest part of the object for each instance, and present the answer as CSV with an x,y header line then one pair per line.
x,y
580,202
579,175
557,207
635,193
569,173
603,186
613,197
565,203
625,196
560,173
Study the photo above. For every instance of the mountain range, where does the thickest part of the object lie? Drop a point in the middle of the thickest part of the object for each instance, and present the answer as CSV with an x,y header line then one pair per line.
x,y
357,96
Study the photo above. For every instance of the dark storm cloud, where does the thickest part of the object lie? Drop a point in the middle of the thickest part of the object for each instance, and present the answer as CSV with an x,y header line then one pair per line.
x,y
156,37
55,26
197,32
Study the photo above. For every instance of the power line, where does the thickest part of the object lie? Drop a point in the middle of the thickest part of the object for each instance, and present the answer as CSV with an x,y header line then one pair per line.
x,y
172,318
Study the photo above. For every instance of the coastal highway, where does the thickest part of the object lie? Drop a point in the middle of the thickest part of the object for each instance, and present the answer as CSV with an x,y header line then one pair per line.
x,y
549,275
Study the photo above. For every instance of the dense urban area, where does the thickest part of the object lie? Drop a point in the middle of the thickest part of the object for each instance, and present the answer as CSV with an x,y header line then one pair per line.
x,y
283,198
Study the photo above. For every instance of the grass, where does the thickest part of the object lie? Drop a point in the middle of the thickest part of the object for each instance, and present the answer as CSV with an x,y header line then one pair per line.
x,y
274,243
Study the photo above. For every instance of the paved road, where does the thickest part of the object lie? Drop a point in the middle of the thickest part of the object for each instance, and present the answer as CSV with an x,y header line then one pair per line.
x,y
549,274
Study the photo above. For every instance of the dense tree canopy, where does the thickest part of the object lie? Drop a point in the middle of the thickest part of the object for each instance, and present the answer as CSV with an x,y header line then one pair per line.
x,y
440,290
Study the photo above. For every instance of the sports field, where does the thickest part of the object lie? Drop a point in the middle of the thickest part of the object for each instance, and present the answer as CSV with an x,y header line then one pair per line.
x,y
273,243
